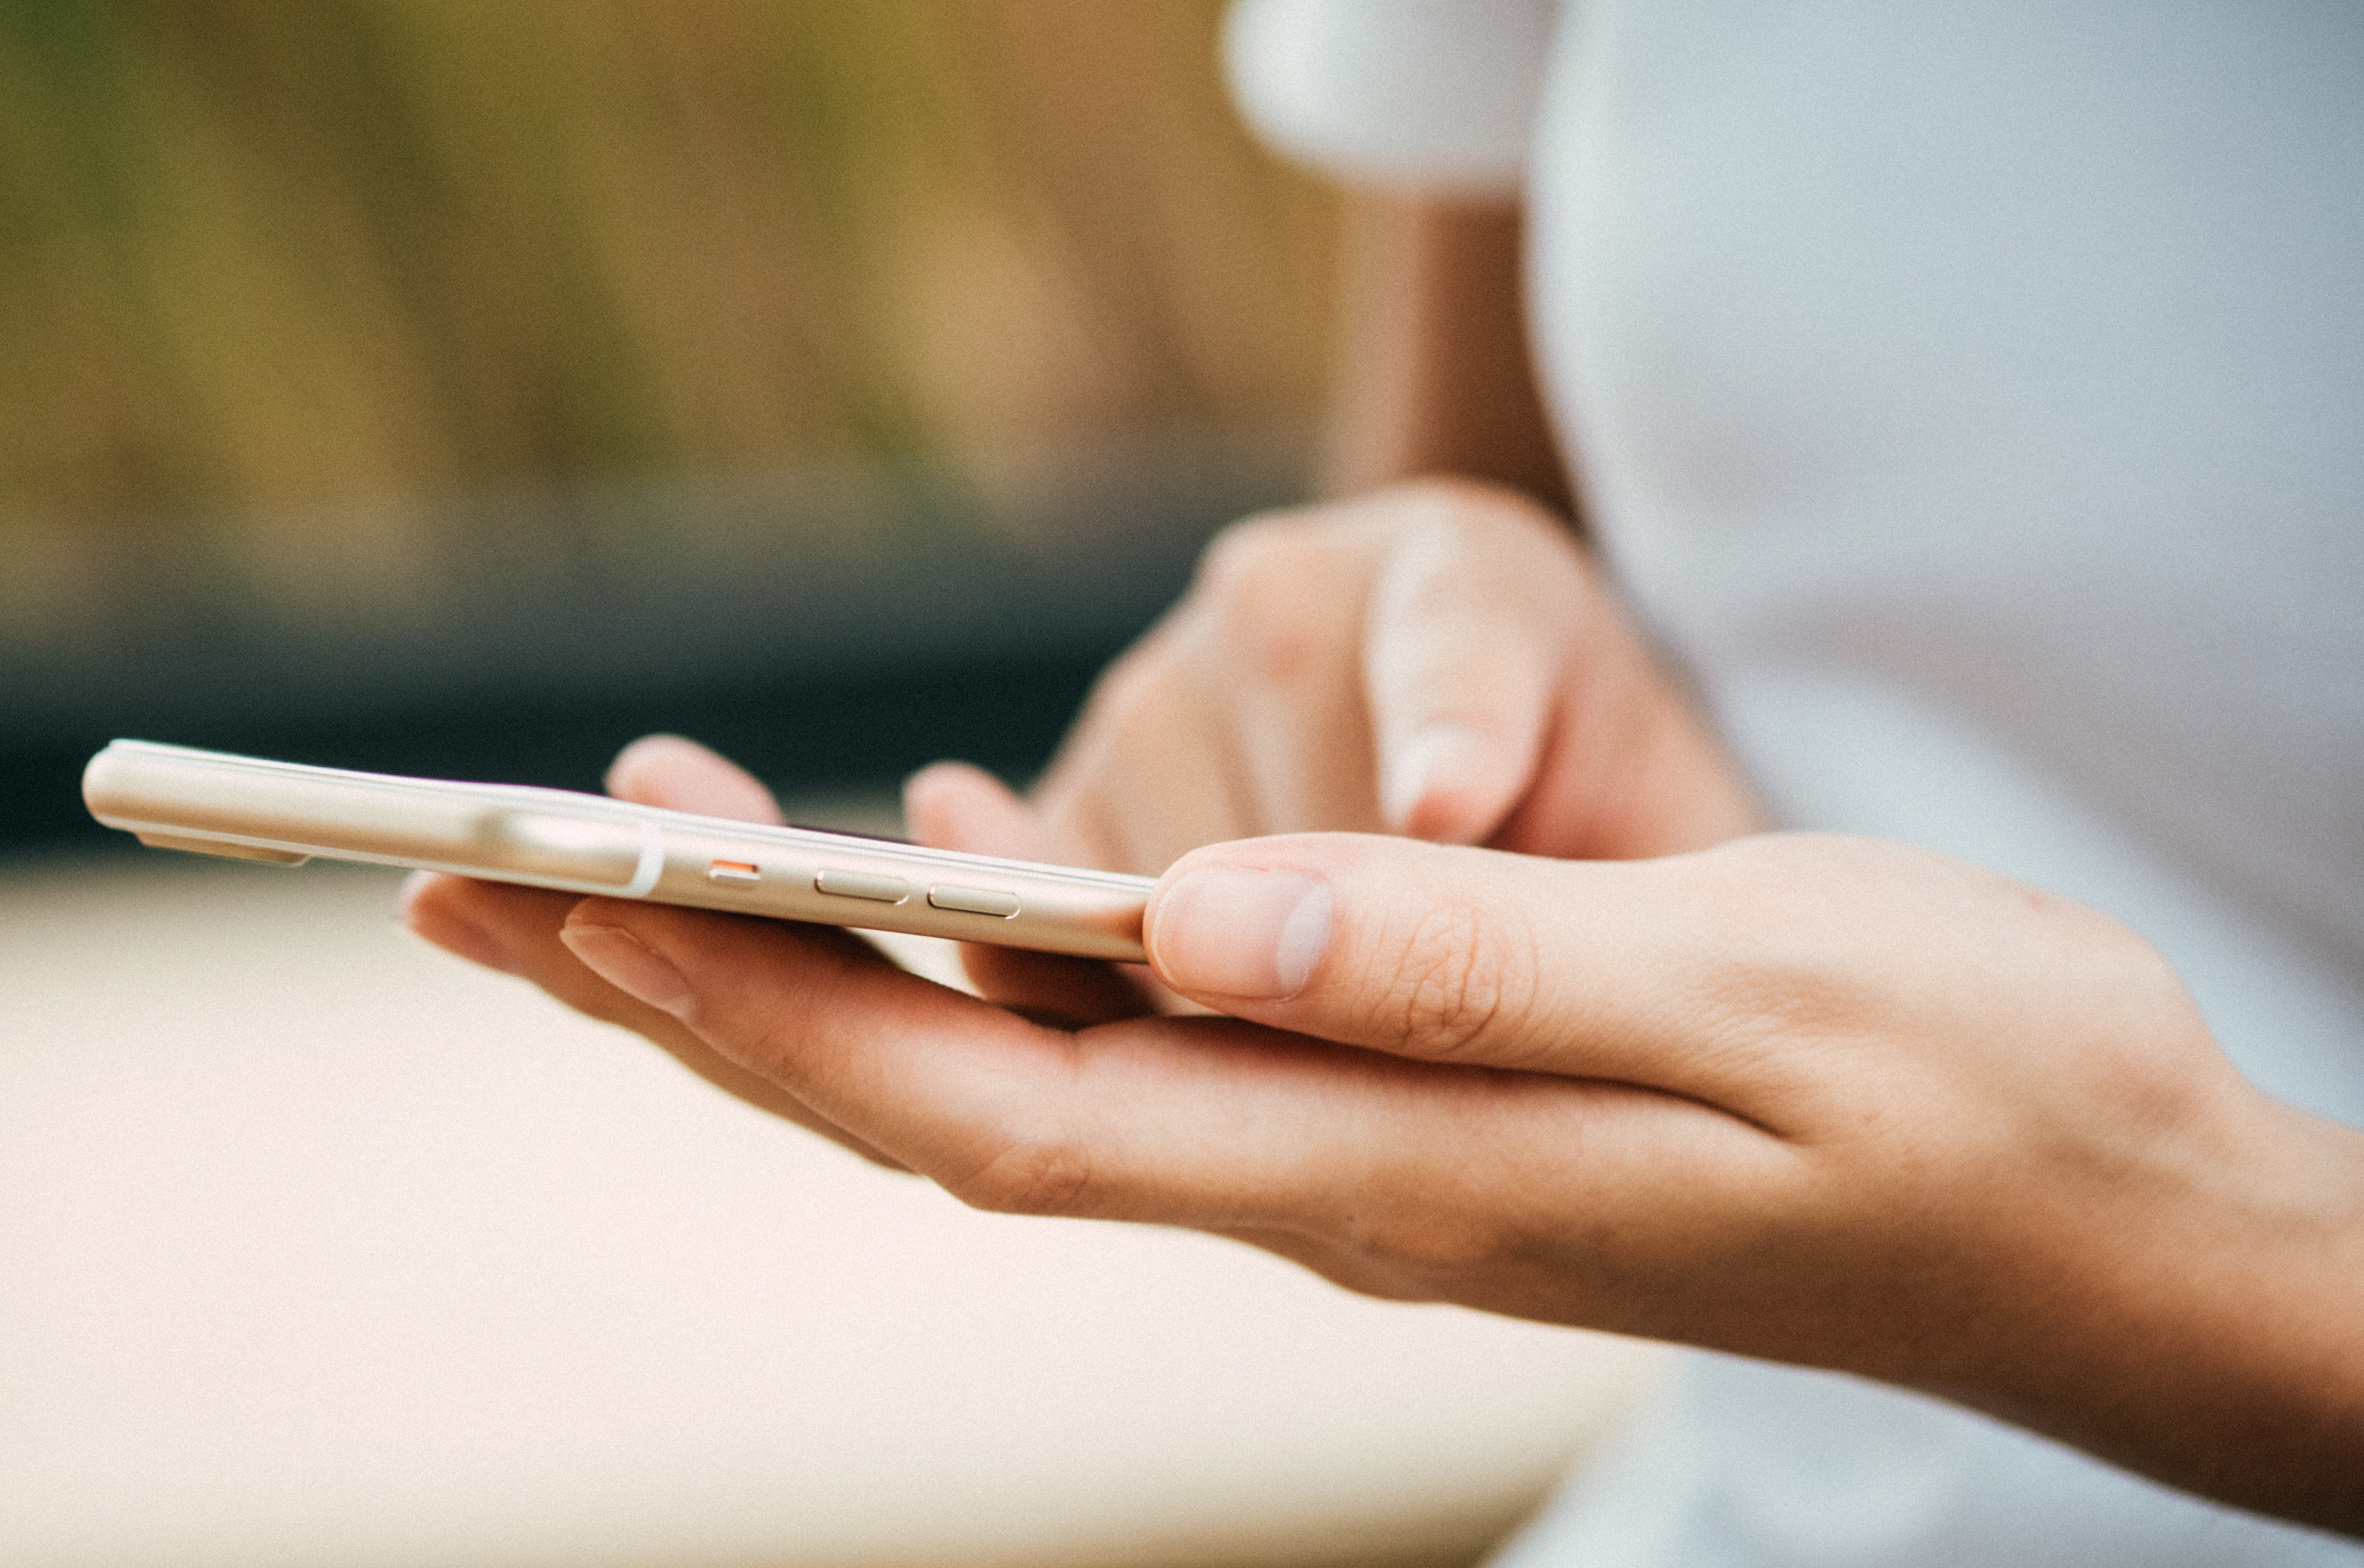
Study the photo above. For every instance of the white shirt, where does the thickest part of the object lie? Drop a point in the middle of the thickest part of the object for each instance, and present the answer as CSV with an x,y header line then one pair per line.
x,y
1973,396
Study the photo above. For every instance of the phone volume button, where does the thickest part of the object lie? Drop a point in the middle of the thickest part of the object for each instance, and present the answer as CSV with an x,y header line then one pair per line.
x,y
862,885
974,900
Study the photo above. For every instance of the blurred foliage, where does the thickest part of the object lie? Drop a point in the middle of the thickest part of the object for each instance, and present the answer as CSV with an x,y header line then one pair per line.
x,y
260,255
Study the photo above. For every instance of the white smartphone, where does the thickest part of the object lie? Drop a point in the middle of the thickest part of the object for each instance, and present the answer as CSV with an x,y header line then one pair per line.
x,y
175,797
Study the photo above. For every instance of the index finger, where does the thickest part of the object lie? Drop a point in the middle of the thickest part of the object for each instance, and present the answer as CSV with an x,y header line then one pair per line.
x,y
1463,649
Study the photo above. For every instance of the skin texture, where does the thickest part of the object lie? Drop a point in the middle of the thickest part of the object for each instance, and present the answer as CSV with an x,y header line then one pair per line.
x,y
1599,1053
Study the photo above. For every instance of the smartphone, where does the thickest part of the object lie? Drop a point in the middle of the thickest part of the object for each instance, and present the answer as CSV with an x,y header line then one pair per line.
x,y
175,797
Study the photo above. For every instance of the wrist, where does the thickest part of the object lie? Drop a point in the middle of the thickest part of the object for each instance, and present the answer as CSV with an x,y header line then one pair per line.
x,y
2216,1345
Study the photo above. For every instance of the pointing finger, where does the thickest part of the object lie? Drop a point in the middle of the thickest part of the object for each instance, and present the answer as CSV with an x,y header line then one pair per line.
x,y
1462,652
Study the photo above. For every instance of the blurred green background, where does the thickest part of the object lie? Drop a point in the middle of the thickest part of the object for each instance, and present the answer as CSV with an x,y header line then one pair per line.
x,y
463,387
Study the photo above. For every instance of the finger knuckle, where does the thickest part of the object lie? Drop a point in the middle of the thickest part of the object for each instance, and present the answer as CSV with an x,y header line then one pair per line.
x,y
1030,1172
1246,547
1128,674
1258,582
2146,1048
1417,1249
1454,976
1127,695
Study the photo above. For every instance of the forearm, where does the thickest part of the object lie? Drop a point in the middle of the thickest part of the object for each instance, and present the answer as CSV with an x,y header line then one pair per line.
x,y
1434,374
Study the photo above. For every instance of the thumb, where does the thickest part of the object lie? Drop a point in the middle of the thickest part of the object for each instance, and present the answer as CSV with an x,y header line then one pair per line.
x,y
1448,954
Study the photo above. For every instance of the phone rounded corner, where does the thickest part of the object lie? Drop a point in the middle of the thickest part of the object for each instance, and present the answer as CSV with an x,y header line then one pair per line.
x,y
105,789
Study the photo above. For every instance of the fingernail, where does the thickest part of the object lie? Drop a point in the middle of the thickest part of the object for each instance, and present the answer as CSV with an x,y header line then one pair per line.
x,y
629,964
1436,755
456,934
1231,931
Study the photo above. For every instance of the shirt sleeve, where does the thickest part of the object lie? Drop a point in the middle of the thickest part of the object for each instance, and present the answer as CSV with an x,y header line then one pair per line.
x,y
1437,96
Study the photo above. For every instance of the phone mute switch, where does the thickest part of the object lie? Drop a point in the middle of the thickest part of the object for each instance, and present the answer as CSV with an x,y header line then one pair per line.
x,y
737,873
974,900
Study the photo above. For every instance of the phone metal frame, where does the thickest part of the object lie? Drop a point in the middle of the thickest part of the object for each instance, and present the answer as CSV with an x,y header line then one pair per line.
x,y
178,797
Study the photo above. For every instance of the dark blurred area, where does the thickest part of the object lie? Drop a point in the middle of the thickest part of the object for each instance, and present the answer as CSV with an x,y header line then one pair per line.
x,y
464,390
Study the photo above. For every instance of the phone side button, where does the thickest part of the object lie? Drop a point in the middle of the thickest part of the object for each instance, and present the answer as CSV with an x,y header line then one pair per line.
x,y
862,885
974,900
